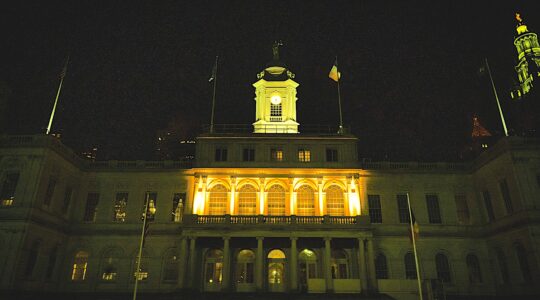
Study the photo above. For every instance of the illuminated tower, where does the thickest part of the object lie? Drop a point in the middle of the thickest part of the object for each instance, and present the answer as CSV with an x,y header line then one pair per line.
x,y
528,66
275,96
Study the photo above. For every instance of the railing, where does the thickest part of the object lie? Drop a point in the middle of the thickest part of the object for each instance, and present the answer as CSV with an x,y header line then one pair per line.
x,y
272,128
273,220
439,166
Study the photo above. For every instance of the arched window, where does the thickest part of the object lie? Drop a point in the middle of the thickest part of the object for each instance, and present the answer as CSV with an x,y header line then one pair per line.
x,y
305,201
473,266
308,264
109,264
80,263
170,265
276,200
339,265
335,206
410,266
33,254
523,262
244,266
443,268
503,267
213,266
276,269
381,267
247,200
217,202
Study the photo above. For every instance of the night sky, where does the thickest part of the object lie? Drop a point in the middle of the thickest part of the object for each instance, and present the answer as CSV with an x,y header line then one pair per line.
x,y
409,68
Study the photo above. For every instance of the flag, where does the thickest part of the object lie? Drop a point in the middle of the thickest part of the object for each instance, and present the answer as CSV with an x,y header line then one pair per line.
x,y
64,69
214,71
334,73
482,69
416,228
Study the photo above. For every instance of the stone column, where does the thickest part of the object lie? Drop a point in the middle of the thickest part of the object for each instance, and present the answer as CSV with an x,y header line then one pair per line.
x,y
259,265
362,270
371,266
192,262
294,265
225,283
182,260
328,266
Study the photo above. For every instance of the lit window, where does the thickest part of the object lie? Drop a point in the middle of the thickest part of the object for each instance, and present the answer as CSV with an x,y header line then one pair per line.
x,y
335,205
79,266
305,201
276,200
248,154
275,112
178,207
120,207
217,202
304,155
247,200
8,189
276,154
213,266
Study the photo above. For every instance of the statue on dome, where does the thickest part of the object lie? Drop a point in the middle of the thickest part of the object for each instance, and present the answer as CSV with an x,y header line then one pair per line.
x,y
275,49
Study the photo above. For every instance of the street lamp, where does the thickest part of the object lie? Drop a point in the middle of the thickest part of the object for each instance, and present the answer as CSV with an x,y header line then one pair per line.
x,y
147,216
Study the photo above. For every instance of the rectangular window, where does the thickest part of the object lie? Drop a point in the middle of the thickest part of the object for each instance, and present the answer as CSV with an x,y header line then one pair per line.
x,y
67,199
304,155
248,154
505,192
8,189
276,154
331,155
91,207
489,207
178,207
462,209
434,211
403,208
50,191
120,204
221,154
275,112
375,212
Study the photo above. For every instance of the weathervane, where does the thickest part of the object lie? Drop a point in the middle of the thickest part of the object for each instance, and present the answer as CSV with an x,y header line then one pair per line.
x,y
518,18
275,49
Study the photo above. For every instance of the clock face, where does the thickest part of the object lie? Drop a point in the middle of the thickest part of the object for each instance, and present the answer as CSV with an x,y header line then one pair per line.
x,y
276,99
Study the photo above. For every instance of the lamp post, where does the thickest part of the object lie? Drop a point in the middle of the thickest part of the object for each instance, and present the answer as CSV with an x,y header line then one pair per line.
x,y
148,215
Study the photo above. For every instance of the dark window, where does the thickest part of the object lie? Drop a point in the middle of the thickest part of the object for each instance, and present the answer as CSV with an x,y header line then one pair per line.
x,y
8,189
523,263
67,199
248,154
489,207
403,208
381,267
276,154
178,207
50,191
434,212
503,185
91,207
221,154
473,266
503,267
462,209
375,212
443,268
410,266
331,155
33,254
52,262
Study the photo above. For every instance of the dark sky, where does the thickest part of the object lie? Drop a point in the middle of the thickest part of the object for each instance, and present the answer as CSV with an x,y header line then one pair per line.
x,y
409,85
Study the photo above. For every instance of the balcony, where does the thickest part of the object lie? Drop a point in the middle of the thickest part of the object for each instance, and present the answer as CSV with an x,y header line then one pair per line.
x,y
275,221
271,128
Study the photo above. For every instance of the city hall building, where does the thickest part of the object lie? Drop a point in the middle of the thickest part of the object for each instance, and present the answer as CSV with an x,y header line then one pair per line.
x,y
274,207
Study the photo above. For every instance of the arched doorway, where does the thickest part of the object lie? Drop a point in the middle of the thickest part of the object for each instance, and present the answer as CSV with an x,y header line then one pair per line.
x,y
213,270
276,271
244,274
308,268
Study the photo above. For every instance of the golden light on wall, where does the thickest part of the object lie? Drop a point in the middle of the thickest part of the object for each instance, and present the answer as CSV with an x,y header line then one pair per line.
x,y
199,199
354,199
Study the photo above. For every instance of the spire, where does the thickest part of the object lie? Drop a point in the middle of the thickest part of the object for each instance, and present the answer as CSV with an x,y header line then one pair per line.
x,y
521,28
478,131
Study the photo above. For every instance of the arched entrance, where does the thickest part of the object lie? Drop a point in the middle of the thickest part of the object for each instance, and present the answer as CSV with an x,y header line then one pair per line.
x,y
276,271
308,268
244,276
213,270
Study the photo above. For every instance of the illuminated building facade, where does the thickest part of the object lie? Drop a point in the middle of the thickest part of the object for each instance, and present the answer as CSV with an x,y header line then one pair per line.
x,y
278,207
528,60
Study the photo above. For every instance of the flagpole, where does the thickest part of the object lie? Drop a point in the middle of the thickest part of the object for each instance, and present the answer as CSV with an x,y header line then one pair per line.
x,y
140,247
214,96
496,98
339,100
414,250
64,70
